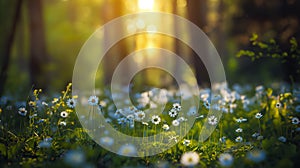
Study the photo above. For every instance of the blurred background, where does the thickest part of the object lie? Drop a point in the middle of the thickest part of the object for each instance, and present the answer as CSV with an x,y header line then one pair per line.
x,y
40,39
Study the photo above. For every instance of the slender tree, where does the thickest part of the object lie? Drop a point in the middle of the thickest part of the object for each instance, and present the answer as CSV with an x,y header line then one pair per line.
x,y
38,55
197,14
8,42
111,10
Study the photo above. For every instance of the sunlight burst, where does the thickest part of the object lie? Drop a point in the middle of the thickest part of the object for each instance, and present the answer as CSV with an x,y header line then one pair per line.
x,y
146,4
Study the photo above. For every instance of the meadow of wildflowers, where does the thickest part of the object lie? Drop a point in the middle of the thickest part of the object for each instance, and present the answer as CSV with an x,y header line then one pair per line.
x,y
259,128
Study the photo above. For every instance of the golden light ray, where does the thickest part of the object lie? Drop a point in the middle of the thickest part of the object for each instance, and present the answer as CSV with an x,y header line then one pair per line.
x,y
146,4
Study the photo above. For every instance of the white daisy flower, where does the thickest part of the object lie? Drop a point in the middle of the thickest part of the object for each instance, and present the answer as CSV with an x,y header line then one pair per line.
x,y
206,105
186,142
71,103
44,144
260,137
212,120
127,150
44,103
255,135
156,119
145,123
140,115
118,113
239,130
122,121
41,121
190,159
200,116
31,103
107,141
259,89
64,114
222,139
172,112
232,107
278,105
130,117
238,139
241,119
238,120
244,119
93,100
32,116
256,155
282,139
204,96
226,159
181,119
22,111
63,123
74,158
103,103
258,115
165,127
295,120
175,123
177,106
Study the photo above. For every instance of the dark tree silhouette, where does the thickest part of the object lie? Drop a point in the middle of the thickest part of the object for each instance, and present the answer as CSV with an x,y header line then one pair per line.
x,y
8,42
197,14
111,10
38,55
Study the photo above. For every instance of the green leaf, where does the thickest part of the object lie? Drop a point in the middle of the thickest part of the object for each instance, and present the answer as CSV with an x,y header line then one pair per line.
x,y
2,149
262,45
254,37
294,44
269,92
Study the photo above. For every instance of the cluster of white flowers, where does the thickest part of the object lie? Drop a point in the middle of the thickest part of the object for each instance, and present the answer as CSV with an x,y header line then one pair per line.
x,y
226,101
190,159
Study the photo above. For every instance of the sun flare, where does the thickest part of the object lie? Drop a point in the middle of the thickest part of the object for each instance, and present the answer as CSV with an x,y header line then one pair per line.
x,y
146,4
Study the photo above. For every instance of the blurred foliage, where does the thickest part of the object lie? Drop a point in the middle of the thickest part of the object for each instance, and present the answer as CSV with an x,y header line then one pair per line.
x,y
271,49
69,23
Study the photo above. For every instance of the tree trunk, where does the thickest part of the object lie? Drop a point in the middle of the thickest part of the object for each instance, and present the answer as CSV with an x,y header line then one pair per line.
x,y
197,14
220,37
7,46
112,9
177,45
38,56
